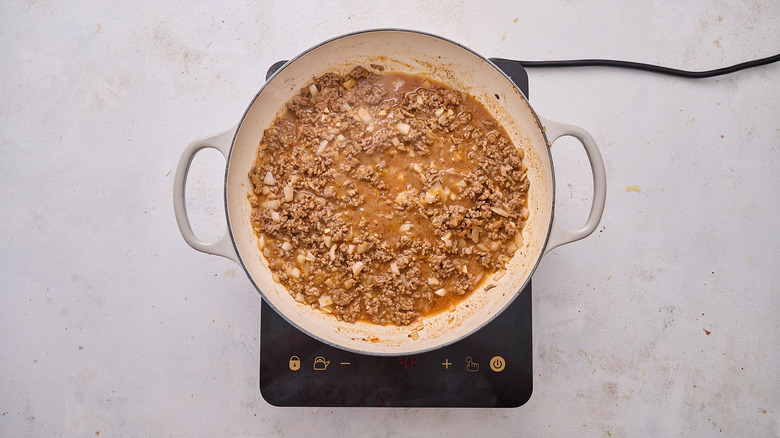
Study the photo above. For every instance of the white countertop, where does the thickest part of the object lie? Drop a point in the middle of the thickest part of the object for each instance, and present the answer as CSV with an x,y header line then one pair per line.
x,y
662,323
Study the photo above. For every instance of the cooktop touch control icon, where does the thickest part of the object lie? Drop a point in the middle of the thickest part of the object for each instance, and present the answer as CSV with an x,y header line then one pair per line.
x,y
497,364
295,363
471,366
320,364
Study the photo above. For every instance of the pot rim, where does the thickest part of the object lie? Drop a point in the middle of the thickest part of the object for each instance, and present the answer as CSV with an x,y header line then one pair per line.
x,y
405,352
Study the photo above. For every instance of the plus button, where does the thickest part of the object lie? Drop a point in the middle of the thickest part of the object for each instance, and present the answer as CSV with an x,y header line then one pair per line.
x,y
446,364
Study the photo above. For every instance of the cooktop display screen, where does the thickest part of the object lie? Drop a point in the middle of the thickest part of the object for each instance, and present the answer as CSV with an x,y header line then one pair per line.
x,y
491,368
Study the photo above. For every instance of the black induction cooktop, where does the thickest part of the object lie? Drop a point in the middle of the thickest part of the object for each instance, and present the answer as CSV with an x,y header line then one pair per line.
x,y
490,368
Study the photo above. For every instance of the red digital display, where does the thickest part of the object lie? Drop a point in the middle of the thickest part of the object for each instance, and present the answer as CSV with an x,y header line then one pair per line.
x,y
408,361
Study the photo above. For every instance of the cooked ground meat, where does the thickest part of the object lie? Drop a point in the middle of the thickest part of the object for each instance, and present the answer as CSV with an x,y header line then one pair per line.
x,y
386,197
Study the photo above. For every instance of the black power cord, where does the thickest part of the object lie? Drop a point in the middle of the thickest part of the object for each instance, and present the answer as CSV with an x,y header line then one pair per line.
x,y
648,67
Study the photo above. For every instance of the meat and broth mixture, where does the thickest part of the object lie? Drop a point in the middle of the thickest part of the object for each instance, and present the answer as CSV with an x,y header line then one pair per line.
x,y
386,197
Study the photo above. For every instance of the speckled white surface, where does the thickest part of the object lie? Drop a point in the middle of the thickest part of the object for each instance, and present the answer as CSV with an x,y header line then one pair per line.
x,y
663,323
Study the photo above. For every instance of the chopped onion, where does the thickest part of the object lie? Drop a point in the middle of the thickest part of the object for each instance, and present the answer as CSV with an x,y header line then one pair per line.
x,y
349,83
350,249
332,253
519,239
498,275
310,257
395,141
269,179
327,240
403,128
364,115
433,281
394,268
475,235
288,193
313,90
275,216
405,227
348,283
286,246
301,259
341,137
261,242
321,147
325,300
414,335
295,273
464,269
271,205
363,247
356,268
333,131
299,297
438,112
500,211
441,292
330,283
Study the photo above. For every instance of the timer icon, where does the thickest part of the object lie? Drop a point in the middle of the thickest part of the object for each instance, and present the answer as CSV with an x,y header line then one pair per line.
x,y
497,363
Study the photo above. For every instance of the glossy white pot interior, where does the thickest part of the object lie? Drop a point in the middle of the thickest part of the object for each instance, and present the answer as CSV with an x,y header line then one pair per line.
x,y
408,52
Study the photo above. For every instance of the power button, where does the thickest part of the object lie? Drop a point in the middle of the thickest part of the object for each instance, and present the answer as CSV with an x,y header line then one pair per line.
x,y
497,364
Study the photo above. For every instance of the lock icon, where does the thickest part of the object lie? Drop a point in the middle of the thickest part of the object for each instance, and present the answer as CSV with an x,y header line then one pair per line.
x,y
295,363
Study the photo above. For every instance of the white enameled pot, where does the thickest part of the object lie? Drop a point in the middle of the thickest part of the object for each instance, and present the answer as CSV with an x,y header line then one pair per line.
x,y
415,53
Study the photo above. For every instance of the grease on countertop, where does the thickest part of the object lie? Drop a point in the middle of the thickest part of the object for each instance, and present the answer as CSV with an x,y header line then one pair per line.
x,y
633,189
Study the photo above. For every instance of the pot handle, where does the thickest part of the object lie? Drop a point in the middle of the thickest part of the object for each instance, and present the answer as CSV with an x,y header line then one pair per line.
x,y
558,234
223,246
